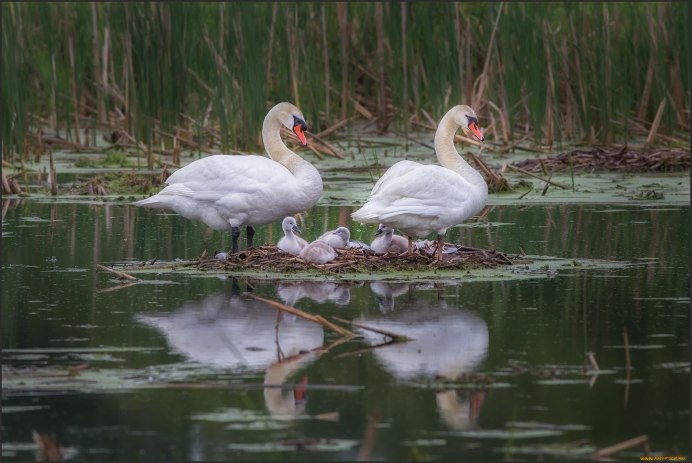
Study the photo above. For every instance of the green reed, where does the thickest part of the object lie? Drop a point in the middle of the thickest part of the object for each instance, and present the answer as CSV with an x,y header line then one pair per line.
x,y
578,72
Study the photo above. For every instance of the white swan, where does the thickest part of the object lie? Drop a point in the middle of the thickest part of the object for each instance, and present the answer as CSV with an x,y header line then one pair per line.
x,y
226,192
337,239
386,241
418,199
318,252
290,242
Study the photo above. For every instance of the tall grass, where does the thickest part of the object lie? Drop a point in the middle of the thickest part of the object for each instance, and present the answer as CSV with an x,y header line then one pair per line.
x,y
205,73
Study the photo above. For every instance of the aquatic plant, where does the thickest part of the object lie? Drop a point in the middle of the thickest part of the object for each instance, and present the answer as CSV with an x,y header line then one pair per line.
x,y
201,75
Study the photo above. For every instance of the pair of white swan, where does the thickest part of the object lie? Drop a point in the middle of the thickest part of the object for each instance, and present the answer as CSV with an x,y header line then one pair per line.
x,y
418,199
226,192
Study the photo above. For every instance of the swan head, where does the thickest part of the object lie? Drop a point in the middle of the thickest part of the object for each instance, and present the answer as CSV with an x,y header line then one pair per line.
x,y
466,118
289,224
343,233
383,229
291,118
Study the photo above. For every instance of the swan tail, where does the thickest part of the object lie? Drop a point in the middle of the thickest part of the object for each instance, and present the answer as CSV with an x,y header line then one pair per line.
x,y
365,215
162,199
152,201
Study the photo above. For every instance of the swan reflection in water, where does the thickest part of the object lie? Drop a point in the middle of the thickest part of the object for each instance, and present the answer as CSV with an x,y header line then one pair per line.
x,y
227,330
446,343
386,292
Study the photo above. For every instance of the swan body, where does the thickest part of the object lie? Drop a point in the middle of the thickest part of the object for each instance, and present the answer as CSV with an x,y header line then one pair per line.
x,y
290,242
226,192
337,239
417,198
318,252
386,241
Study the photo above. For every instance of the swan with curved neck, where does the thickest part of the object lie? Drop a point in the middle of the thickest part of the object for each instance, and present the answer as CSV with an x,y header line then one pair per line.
x,y
226,192
418,199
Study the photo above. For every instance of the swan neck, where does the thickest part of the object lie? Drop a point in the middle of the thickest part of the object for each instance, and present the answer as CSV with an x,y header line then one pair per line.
x,y
273,144
447,153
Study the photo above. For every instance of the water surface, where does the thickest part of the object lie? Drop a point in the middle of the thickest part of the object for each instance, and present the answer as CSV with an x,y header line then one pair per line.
x,y
189,367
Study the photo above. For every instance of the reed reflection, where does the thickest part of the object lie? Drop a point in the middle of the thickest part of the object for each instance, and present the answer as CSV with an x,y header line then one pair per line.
x,y
446,343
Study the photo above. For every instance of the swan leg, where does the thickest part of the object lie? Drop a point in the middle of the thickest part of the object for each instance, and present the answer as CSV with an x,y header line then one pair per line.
x,y
235,233
440,245
249,233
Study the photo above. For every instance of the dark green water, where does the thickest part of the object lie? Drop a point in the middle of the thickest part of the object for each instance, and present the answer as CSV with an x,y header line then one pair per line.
x,y
177,367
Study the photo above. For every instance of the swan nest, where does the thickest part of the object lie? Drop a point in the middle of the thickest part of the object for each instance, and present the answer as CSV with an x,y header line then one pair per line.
x,y
270,258
618,159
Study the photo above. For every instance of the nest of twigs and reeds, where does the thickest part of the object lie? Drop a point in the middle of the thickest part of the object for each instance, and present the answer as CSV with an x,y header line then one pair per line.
x,y
614,159
269,258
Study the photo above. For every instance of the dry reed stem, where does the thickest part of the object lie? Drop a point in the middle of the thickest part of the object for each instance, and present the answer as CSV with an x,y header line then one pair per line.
x,y
5,184
53,175
478,95
546,180
628,363
656,123
328,131
497,181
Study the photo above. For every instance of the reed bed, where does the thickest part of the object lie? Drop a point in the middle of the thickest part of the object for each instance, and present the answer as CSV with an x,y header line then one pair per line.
x,y
183,76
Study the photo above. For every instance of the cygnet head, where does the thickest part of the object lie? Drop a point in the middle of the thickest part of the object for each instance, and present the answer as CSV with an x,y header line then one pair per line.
x,y
343,233
291,117
289,225
383,229
466,118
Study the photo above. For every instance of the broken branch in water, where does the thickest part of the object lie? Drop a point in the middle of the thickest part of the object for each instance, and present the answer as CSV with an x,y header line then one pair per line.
x,y
121,275
305,315
641,440
395,337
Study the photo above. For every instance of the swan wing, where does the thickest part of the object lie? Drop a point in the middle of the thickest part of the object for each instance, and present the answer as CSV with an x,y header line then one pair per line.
x,y
242,188
397,170
426,186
